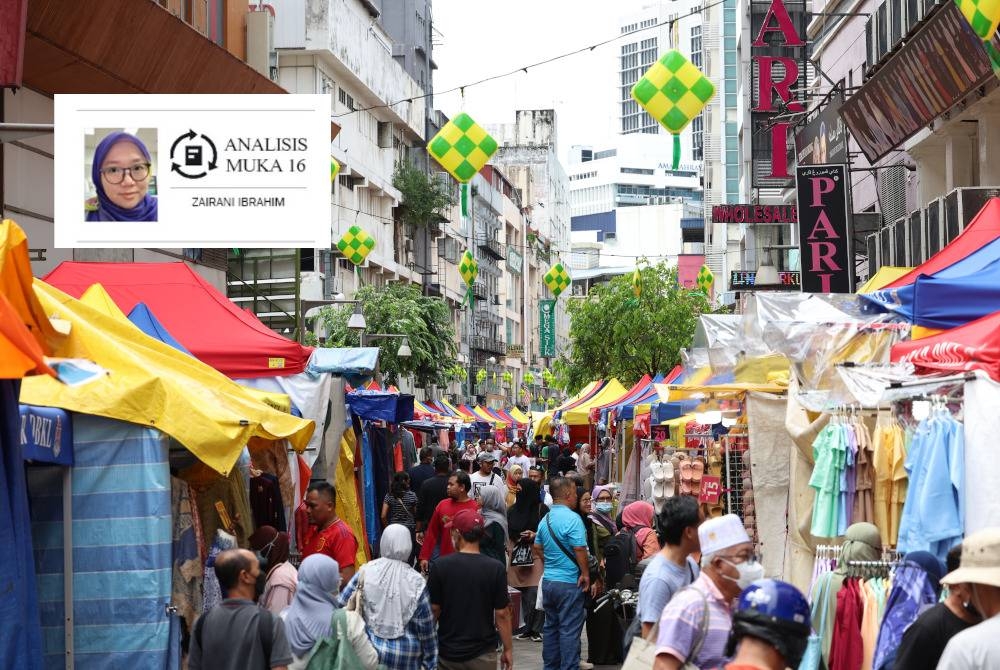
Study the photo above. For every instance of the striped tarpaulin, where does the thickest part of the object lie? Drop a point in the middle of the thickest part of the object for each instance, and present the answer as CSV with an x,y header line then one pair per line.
x,y
122,547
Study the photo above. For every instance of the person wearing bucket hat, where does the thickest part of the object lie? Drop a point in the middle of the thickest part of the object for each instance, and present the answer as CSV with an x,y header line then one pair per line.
x,y
978,646
695,624
771,626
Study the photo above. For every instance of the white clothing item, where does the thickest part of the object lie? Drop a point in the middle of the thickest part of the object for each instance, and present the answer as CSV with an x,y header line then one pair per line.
x,y
982,425
392,589
359,640
523,461
973,648
480,480
721,533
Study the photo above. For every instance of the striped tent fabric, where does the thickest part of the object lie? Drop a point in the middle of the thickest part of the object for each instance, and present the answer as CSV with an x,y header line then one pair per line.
x,y
122,546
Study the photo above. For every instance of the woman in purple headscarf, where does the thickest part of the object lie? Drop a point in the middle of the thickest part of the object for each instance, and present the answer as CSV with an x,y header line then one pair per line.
x,y
121,170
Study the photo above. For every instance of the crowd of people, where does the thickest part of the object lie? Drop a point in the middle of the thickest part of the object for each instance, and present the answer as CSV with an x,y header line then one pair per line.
x,y
463,534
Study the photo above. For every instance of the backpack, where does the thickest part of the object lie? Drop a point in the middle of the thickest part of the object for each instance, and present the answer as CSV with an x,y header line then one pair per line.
x,y
620,557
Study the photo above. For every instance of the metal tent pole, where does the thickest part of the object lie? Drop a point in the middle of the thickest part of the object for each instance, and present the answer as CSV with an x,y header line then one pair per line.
x,y
68,564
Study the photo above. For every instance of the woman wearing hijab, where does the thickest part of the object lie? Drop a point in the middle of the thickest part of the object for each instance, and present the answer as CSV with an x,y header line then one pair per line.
x,y
602,502
604,631
522,524
514,476
121,170
638,518
395,605
308,618
272,546
494,509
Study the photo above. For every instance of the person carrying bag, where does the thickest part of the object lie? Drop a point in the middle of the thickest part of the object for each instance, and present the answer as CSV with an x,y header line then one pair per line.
x,y
642,653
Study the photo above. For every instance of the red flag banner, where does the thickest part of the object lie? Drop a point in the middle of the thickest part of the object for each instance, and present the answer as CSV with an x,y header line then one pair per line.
x,y
13,22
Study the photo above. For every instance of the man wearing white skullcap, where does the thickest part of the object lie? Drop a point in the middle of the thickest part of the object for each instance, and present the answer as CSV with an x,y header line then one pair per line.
x,y
695,624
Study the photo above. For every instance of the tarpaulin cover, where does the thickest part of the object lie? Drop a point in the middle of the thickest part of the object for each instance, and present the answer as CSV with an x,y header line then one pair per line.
x,y
983,229
487,415
46,435
885,276
519,416
122,547
636,391
466,412
579,415
145,321
509,418
356,364
588,391
152,384
206,322
26,335
381,406
974,346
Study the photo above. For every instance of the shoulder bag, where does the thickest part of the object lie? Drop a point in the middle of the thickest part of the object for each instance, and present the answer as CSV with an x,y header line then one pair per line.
x,y
594,568
642,653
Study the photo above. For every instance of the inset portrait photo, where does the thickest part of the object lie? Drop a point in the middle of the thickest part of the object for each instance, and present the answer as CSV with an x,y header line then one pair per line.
x,y
119,179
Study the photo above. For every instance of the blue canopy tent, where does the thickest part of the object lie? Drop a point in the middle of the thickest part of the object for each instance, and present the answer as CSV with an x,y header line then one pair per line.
x,y
144,319
962,292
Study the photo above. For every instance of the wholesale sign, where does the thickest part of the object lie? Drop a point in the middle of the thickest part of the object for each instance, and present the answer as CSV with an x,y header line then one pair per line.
x,y
192,171
824,233
547,329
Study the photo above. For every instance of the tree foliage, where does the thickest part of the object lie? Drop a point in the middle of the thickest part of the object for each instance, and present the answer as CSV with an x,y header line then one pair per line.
x,y
400,309
616,334
424,201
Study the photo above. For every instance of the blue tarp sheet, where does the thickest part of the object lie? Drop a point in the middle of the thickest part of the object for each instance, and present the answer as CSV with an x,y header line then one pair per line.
x,y
381,406
122,545
357,365
20,633
46,435
146,321
962,292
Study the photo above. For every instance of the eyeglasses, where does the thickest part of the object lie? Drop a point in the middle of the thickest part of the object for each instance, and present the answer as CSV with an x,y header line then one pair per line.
x,y
116,175
742,558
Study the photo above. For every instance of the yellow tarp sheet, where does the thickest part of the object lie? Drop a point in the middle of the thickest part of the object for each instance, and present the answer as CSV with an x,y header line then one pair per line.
x,y
580,415
589,388
541,423
519,416
152,384
348,506
885,276
670,392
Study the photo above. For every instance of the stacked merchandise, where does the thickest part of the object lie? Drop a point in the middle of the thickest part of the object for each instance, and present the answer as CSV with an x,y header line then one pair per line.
x,y
843,476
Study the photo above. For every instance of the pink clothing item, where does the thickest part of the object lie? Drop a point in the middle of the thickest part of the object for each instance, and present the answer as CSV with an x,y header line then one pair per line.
x,y
638,515
280,589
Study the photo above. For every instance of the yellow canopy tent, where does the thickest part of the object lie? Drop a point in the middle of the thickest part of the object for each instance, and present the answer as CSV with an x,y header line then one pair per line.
x,y
519,416
587,390
580,415
152,384
541,423
486,416
885,276
671,392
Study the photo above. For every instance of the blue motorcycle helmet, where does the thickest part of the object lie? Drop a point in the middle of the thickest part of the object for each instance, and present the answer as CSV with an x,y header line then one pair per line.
x,y
775,612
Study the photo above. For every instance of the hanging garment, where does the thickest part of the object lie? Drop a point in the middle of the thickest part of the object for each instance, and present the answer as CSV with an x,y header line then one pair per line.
x,y
212,589
187,570
846,649
265,502
209,488
829,452
848,480
933,513
891,482
912,592
864,501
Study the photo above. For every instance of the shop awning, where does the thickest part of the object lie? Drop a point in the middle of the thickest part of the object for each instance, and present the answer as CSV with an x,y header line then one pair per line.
x,y
983,229
633,393
588,391
974,346
508,418
580,414
128,46
152,384
519,416
381,406
885,276
206,322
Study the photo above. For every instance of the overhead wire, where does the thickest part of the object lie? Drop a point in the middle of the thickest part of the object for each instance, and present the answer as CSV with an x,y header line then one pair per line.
x,y
524,69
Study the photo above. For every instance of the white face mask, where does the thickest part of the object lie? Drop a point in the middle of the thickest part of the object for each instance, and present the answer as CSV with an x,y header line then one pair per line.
x,y
749,572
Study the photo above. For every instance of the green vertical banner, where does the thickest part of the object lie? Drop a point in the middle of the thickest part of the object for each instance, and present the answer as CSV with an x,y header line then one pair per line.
x,y
547,329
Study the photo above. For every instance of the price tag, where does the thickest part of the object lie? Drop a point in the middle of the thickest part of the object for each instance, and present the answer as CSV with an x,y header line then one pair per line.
x,y
711,489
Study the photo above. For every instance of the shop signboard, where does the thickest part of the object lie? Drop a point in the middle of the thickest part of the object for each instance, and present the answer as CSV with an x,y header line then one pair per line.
x,y
824,229
711,489
943,62
745,280
515,262
46,435
824,139
547,329
13,21
754,214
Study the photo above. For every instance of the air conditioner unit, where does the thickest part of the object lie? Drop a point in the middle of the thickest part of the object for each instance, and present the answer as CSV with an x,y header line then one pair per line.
x,y
261,55
961,206
408,245
384,135
931,6
871,53
900,242
933,228
871,245
411,259
914,15
886,249
896,12
882,31
915,238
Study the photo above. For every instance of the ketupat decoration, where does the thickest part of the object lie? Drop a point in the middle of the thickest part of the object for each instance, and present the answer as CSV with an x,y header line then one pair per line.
x,y
673,91
705,280
356,244
468,269
462,148
334,168
984,17
557,279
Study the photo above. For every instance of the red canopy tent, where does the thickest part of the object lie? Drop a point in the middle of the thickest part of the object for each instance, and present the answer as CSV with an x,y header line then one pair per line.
x,y
974,346
207,323
982,230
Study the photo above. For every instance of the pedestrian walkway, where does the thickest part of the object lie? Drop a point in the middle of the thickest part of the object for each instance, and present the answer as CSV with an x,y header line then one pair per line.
x,y
528,655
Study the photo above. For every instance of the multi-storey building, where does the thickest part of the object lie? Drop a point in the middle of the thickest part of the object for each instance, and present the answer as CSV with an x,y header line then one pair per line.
x,y
64,52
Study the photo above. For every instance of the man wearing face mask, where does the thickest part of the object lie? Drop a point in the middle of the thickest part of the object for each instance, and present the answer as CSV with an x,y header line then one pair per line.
x,y
695,624
236,634
979,646
925,640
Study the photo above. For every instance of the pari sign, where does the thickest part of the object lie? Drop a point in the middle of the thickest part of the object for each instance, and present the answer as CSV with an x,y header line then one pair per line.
x,y
777,77
824,231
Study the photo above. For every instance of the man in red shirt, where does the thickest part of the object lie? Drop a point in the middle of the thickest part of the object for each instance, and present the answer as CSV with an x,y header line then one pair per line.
x,y
332,536
457,500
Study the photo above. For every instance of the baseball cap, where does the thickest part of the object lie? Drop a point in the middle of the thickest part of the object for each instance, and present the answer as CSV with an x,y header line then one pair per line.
x,y
980,559
485,456
466,521
721,533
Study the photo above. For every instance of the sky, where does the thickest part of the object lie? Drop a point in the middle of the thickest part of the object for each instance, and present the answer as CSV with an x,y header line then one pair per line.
x,y
499,37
